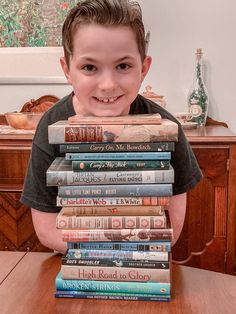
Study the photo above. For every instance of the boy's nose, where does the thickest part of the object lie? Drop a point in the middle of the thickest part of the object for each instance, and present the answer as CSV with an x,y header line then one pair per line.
x,y
107,82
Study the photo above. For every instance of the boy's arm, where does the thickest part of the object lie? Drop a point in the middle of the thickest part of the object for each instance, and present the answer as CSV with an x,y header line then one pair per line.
x,y
177,210
45,228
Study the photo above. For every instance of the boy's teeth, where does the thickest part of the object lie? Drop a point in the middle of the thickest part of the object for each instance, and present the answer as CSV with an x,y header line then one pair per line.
x,y
107,99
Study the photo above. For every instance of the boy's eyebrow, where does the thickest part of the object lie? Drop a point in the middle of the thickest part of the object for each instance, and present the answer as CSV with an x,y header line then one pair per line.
x,y
125,58
89,59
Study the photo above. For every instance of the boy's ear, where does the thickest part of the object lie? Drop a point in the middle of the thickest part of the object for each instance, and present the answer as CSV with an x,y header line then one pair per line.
x,y
146,66
65,69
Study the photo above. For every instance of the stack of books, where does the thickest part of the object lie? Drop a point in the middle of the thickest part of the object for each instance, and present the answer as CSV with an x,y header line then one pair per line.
x,y
114,184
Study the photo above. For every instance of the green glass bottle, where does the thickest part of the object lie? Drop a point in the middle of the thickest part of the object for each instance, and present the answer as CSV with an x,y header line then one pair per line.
x,y
198,100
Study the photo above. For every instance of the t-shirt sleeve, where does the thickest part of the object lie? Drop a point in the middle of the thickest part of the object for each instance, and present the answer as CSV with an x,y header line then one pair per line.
x,y
187,171
36,194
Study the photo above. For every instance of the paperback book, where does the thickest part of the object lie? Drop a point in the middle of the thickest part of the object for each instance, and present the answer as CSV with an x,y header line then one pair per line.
x,y
111,296
115,273
60,173
140,288
115,165
119,156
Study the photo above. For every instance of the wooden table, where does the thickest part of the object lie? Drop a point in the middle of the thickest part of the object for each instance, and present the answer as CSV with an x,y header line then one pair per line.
x,y
29,288
8,261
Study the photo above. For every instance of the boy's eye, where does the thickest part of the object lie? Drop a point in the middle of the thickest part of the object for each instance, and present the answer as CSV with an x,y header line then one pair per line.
x,y
123,66
89,68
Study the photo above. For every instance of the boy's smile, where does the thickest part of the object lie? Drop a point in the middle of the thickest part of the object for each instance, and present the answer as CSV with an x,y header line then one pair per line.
x,y
105,70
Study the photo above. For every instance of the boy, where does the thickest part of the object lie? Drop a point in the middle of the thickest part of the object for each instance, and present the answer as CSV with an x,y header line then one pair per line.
x,y
105,61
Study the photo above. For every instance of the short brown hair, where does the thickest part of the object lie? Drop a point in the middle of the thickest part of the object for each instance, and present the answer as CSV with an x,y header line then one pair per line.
x,y
104,12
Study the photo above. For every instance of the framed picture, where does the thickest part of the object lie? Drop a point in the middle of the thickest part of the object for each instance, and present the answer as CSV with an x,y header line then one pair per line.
x,y
29,23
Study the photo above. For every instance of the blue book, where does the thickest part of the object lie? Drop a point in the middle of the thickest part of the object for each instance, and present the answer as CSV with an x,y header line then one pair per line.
x,y
112,286
111,296
154,246
119,156
114,190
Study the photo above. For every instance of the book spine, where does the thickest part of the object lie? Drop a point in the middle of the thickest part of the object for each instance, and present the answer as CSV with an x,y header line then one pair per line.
x,y
119,156
115,165
112,286
112,201
117,147
158,246
114,177
61,134
111,296
114,273
109,222
113,190
117,255
98,235
153,118
110,210
115,263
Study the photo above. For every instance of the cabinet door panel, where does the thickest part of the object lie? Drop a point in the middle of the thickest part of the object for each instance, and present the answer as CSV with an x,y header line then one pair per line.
x,y
16,227
12,168
203,240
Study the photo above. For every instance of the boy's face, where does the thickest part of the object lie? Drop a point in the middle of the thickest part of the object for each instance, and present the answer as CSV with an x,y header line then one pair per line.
x,y
105,70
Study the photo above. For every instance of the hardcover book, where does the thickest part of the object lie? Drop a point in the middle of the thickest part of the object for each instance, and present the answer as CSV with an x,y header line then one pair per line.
x,y
115,274
115,165
67,212
153,246
112,286
98,235
110,222
115,263
148,118
117,147
60,173
83,254
113,190
62,132
119,156
112,201
111,296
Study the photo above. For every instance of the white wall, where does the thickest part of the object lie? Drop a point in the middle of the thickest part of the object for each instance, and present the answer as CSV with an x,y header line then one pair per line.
x,y
28,73
177,28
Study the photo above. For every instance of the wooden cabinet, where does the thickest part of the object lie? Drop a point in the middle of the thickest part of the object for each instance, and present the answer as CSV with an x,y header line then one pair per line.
x,y
16,228
208,237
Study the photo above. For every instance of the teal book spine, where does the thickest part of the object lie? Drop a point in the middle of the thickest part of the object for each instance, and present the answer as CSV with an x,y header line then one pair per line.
x,y
115,165
119,156
111,296
112,286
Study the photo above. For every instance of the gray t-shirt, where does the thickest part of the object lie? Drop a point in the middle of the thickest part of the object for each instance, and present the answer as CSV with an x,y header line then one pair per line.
x,y
37,195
